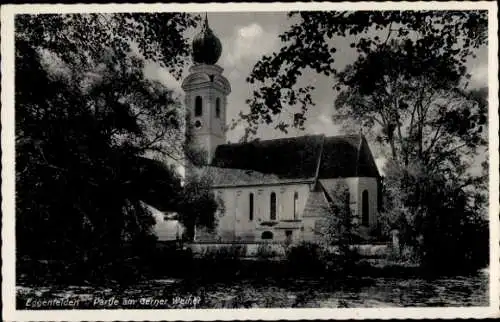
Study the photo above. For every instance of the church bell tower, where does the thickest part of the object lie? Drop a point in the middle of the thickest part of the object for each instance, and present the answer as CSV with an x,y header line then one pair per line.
x,y
206,91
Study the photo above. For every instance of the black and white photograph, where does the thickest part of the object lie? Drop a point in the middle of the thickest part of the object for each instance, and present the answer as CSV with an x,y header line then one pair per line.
x,y
335,157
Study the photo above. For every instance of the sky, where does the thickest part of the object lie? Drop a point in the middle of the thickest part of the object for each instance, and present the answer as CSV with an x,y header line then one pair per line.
x,y
247,36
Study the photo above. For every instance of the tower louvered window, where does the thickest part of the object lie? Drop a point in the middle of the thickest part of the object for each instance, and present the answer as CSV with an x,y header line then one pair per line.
x,y
198,106
273,206
217,108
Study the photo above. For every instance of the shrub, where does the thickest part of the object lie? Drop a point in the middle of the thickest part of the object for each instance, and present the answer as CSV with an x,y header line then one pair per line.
x,y
231,252
170,260
305,258
340,231
265,251
221,263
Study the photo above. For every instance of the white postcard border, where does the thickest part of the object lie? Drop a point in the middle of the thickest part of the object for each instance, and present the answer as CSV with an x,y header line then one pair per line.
x,y
8,173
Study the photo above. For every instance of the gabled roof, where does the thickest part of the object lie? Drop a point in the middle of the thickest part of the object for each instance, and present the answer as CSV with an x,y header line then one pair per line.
x,y
347,156
286,158
304,157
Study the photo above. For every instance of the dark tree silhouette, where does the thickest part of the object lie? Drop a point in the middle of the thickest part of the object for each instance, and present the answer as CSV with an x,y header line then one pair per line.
x,y
93,136
309,44
408,90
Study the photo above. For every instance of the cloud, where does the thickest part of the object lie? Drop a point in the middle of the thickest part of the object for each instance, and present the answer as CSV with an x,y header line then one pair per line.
x,y
380,162
234,134
154,71
248,44
251,31
242,50
479,76
323,124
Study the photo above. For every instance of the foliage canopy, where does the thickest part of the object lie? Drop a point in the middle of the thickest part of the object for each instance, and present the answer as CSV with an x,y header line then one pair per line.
x,y
93,133
407,89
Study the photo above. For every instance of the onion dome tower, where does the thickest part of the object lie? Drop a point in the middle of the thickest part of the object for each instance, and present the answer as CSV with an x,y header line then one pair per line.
x,y
206,91
206,46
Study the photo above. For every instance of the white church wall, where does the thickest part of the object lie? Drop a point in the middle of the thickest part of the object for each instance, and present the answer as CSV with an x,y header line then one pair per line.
x,y
235,221
308,233
356,186
164,228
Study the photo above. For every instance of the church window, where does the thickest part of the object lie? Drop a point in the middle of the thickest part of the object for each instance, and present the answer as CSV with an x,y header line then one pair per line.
x,y
365,212
273,206
217,108
295,205
198,106
267,235
250,210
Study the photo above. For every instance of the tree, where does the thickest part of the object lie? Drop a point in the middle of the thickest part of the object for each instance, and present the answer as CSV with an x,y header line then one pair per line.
x,y
420,112
198,204
408,90
79,39
433,130
431,127
309,46
340,229
93,134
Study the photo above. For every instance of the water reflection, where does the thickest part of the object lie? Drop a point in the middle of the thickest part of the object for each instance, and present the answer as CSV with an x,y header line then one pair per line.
x,y
356,292
368,292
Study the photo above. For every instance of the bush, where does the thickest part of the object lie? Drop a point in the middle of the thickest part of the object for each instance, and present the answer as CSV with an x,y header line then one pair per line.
x,y
230,252
454,242
305,259
441,217
168,259
220,264
265,251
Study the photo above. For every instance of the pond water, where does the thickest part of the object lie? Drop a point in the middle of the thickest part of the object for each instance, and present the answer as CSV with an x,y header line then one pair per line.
x,y
380,292
352,293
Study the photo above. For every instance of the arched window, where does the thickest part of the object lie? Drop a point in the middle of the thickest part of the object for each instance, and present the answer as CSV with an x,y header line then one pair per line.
x,y
198,106
365,212
217,108
250,204
273,206
267,235
296,205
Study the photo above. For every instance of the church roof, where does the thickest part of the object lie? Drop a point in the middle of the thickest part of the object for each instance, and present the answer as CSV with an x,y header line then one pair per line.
x,y
304,157
228,177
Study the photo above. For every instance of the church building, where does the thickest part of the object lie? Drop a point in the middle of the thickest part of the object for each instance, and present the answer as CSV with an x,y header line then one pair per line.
x,y
272,190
